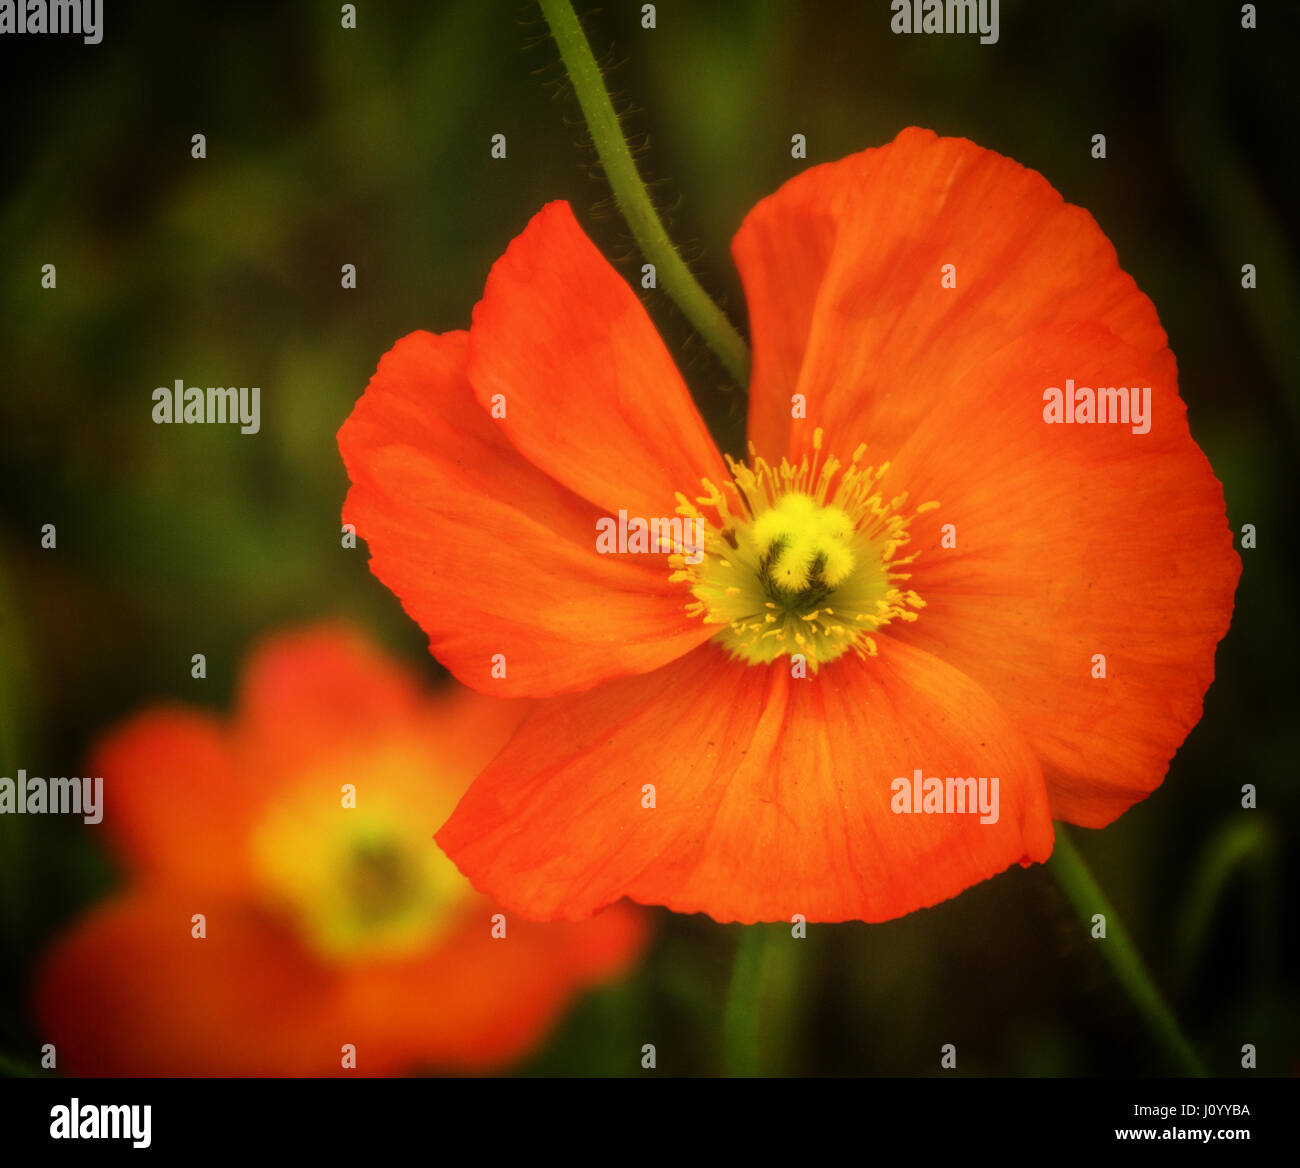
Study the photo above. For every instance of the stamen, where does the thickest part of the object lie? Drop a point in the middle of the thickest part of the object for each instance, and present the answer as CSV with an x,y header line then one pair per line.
x,y
782,541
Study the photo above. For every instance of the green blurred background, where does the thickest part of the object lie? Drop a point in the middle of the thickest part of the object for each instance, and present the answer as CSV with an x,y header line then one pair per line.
x,y
371,147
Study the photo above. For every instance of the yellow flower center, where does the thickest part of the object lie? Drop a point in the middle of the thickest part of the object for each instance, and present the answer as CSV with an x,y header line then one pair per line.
x,y
360,881
800,560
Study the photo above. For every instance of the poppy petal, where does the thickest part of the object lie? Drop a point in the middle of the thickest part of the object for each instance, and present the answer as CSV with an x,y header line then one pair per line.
x,y
508,990
844,270
782,251
1073,540
130,991
322,705
771,796
591,393
314,694
176,804
493,559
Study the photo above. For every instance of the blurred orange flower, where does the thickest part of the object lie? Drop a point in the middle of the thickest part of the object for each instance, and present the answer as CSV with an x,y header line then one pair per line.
x,y
917,577
297,838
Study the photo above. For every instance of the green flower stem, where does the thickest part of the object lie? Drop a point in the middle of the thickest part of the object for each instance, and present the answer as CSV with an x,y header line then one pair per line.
x,y
1119,952
740,1016
763,1000
672,273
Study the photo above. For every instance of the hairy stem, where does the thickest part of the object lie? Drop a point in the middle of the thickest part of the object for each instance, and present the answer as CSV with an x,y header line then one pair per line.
x,y
671,271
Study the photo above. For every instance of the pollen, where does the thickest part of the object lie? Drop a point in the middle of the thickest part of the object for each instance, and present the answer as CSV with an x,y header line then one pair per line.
x,y
806,559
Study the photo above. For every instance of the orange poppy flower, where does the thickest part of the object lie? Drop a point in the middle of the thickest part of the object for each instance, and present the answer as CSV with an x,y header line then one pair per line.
x,y
297,839
916,578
